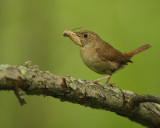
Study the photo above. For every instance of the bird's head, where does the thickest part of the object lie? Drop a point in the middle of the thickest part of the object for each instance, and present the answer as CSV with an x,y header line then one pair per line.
x,y
82,38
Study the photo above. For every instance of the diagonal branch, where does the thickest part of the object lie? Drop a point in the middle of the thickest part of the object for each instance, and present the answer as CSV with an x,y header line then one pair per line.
x,y
30,80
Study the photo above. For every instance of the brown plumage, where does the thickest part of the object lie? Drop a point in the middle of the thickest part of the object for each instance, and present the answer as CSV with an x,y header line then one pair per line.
x,y
100,56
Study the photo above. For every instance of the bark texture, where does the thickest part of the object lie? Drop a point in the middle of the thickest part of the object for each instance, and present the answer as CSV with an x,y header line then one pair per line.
x,y
25,79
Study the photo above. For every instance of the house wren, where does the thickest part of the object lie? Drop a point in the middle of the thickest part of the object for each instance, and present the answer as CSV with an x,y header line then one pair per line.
x,y
100,56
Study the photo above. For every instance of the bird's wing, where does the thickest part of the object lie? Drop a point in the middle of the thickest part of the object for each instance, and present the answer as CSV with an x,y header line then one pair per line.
x,y
111,54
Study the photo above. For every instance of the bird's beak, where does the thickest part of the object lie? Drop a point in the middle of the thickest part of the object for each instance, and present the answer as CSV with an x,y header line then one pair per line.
x,y
73,36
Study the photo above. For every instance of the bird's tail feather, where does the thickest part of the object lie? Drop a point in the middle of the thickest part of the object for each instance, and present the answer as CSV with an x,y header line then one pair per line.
x,y
138,50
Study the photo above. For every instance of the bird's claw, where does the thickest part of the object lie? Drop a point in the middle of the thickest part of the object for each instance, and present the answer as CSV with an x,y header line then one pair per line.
x,y
97,82
103,85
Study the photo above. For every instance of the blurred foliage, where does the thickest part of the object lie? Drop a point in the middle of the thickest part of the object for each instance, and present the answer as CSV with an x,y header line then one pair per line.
x,y
32,30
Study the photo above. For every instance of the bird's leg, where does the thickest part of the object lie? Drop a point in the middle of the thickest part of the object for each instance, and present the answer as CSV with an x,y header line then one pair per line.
x,y
107,82
97,81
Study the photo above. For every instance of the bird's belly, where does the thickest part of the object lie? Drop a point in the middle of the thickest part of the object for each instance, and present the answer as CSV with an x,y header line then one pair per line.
x,y
96,64
102,67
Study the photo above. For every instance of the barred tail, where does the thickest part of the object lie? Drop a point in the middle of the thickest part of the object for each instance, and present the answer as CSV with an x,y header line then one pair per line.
x,y
138,50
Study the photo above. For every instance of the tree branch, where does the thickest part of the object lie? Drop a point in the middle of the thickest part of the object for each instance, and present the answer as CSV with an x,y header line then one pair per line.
x,y
27,79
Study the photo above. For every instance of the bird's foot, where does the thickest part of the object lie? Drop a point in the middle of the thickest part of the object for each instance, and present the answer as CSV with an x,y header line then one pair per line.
x,y
103,85
97,82
107,82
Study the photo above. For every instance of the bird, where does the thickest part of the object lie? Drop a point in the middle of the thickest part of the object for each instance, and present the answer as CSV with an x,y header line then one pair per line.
x,y
99,55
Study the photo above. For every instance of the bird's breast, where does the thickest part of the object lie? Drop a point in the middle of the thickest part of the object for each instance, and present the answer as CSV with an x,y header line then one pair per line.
x,y
89,55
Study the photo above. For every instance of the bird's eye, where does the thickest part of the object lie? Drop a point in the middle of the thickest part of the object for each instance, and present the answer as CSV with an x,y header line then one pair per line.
x,y
85,35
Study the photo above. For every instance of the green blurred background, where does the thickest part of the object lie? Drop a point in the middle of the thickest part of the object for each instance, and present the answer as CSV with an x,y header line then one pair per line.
x,y
32,30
